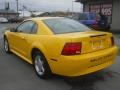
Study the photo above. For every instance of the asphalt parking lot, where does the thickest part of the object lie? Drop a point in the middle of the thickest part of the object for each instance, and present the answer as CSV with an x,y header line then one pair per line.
x,y
15,74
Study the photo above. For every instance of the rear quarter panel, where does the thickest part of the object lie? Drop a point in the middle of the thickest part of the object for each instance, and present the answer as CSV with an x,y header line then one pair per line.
x,y
51,47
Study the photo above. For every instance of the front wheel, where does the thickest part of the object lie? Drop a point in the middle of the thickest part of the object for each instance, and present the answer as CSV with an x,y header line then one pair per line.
x,y
41,66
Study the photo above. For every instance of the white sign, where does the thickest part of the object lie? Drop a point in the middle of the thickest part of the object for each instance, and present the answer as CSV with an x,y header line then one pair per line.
x,y
106,9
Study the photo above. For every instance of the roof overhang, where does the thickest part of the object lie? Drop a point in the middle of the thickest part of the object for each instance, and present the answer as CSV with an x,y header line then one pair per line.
x,y
83,1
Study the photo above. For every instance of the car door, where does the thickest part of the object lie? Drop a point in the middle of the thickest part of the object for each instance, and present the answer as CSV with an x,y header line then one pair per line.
x,y
83,18
22,37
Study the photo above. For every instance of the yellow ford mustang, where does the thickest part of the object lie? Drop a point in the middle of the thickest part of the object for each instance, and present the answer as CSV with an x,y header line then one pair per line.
x,y
61,46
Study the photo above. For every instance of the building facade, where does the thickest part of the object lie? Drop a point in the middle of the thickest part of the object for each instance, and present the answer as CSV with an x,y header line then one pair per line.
x,y
110,8
8,13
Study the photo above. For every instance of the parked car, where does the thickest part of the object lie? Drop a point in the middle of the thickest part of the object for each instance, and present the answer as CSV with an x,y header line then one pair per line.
x,y
88,18
3,20
15,20
61,46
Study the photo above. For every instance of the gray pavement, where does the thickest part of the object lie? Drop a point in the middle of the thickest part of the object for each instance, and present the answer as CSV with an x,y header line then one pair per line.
x,y
117,39
15,74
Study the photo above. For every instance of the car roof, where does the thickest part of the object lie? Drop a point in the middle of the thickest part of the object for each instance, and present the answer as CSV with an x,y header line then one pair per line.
x,y
43,18
88,12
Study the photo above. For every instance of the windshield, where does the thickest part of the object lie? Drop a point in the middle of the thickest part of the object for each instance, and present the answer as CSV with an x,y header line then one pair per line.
x,y
92,16
65,25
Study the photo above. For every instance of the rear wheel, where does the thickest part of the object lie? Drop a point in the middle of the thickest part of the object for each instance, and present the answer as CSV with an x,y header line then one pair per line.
x,y
41,66
6,45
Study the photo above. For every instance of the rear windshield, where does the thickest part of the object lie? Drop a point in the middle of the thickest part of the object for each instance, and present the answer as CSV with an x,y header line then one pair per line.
x,y
65,25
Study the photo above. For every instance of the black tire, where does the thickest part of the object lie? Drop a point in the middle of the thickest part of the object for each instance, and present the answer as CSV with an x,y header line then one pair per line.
x,y
6,45
42,70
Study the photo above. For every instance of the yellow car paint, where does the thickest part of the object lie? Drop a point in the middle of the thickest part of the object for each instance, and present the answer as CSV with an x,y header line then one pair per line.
x,y
51,45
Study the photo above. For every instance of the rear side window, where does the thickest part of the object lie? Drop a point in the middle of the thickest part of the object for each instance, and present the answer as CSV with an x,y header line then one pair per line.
x,y
65,25
28,27
34,29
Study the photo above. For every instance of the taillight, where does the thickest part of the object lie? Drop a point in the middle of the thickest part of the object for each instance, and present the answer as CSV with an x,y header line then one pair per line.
x,y
72,49
112,41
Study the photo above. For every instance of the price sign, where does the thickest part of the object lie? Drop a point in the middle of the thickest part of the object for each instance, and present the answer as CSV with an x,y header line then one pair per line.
x,y
106,9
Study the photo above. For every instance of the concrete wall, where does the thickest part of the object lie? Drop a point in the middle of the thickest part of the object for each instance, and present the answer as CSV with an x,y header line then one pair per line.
x,y
115,26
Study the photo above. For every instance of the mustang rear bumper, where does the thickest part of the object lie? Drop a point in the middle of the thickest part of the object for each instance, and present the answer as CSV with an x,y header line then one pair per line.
x,y
84,64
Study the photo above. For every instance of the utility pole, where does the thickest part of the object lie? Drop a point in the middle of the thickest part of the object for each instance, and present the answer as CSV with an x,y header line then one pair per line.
x,y
7,7
17,5
23,10
72,7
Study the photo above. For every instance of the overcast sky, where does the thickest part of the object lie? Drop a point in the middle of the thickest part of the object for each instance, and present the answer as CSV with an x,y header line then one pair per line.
x,y
44,5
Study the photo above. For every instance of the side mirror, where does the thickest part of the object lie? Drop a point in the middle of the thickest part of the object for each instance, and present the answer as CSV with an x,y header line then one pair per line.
x,y
12,30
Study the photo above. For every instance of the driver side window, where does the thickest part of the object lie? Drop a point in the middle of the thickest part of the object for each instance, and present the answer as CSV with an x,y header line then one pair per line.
x,y
26,27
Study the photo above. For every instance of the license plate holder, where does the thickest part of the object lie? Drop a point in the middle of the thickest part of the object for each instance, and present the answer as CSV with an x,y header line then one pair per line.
x,y
96,44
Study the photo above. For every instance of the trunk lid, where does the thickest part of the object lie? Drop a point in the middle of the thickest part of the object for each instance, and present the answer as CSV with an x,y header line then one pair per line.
x,y
91,41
